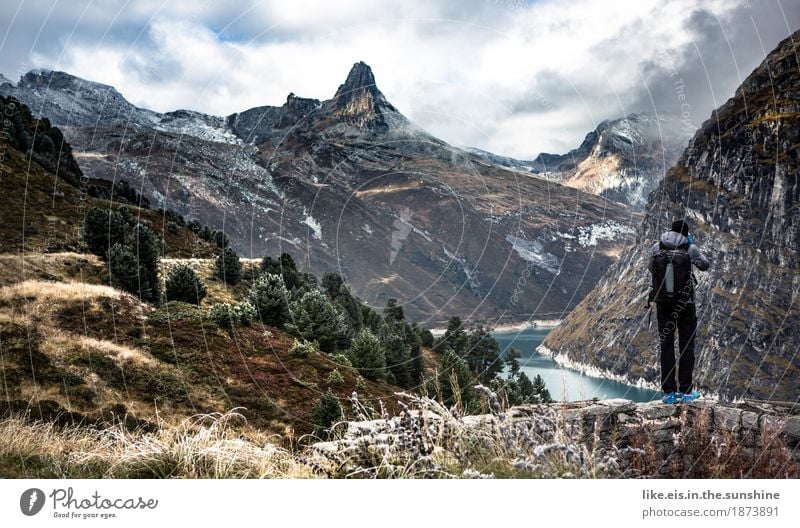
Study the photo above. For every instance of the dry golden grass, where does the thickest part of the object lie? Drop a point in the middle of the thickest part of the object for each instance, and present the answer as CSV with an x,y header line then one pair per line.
x,y
124,356
218,445
68,266
43,291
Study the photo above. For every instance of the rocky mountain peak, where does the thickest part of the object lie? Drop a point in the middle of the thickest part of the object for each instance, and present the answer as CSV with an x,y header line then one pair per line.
x,y
359,101
360,78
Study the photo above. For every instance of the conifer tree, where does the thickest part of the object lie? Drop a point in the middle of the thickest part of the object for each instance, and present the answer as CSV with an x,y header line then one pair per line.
x,y
512,361
326,414
314,317
269,297
227,266
539,390
368,356
184,285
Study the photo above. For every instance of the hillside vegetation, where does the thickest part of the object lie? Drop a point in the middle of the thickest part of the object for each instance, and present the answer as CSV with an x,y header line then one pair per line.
x,y
125,329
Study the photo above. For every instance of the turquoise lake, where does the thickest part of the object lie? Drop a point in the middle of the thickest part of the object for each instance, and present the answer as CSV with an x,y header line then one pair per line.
x,y
565,384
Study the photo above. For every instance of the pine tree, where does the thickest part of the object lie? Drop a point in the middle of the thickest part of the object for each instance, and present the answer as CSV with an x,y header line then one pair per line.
x,y
326,414
455,338
425,336
483,355
184,285
397,356
454,382
512,361
372,319
527,392
540,392
368,356
314,317
286,268
332,284
351,307
393,312
227,267
147,247
123,268
102,228
270,298
133,265
417,366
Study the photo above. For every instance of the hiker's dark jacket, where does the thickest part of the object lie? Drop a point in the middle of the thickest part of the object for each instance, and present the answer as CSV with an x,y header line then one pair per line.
x,y
673,240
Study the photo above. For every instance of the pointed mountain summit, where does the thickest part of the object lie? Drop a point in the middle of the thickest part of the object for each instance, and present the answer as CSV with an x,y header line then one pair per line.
x,y
360,102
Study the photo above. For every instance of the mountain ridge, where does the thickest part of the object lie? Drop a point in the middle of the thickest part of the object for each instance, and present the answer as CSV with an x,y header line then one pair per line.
x,y
353,186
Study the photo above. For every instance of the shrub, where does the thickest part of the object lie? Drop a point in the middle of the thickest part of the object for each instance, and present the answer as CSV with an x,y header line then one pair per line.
x,y
228,315
315,317
269,297
343,360
303,348
183,284
326,413
335,377
368,355
227,267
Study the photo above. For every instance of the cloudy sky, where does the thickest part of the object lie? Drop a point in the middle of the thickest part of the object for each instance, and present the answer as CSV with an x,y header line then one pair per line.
x,y
511,76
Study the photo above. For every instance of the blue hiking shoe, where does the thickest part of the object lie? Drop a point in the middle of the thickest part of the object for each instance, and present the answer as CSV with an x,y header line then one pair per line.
x,y
690,397
670,397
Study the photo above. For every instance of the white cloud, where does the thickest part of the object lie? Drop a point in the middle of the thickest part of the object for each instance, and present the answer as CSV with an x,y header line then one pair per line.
x,y
501,75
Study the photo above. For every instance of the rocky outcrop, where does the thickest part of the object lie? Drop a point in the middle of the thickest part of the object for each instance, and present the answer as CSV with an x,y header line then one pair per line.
x,y
702,439
737,184
622,159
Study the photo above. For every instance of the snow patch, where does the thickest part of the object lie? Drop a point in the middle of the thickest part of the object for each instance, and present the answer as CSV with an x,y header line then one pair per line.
x,y
311,222
609,230
472,277
533,252
195,124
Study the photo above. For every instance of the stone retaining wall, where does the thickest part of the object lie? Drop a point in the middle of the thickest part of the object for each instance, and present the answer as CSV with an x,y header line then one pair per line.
x,y
705,438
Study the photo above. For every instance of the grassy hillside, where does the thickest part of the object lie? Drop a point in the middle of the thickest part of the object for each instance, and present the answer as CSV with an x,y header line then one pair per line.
x,y
73,349
93,352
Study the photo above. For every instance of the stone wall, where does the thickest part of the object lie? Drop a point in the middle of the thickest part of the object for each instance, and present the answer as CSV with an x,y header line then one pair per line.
x,y
705,438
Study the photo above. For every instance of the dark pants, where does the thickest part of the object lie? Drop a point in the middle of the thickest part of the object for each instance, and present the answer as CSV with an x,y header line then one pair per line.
x,y
684,318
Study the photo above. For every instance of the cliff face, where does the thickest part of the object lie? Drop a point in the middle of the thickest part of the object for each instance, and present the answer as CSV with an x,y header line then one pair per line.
x,y
622,159
737,183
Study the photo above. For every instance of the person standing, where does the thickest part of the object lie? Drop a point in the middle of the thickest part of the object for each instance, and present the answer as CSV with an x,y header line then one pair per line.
x,y
671,261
